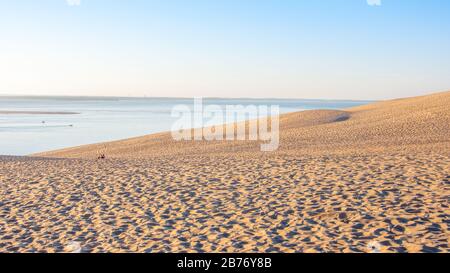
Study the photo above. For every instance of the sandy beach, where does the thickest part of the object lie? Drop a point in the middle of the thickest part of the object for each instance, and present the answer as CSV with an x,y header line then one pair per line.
x,y
365,179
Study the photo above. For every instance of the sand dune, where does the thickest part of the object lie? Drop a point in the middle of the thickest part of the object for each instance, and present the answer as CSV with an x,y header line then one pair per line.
x,y
370,178
413,124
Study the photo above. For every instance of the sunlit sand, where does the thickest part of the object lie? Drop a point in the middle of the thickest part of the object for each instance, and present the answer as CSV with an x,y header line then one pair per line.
x,y
366,179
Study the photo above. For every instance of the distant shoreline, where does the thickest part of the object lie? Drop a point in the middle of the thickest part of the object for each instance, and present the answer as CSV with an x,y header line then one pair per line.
x,y
85,97
36,113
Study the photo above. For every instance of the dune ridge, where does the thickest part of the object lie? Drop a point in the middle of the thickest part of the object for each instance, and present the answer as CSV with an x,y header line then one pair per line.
x,y
411,123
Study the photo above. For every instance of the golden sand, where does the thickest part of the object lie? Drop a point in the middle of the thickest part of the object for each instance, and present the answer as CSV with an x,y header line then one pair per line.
x,y
370,178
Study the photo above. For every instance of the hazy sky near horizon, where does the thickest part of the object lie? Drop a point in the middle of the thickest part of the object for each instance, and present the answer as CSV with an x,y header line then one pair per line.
x,y
335,49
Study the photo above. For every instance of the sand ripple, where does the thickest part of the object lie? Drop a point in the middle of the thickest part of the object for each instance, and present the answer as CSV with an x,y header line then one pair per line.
x,y
201,204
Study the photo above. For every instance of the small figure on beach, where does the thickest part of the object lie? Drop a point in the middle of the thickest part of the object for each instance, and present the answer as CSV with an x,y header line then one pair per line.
x,y
101,154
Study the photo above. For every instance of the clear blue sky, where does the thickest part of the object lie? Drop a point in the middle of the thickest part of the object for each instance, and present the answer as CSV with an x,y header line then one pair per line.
x,y
227,48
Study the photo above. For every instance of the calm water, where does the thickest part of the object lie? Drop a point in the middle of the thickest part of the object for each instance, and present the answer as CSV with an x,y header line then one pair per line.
x,y
105,119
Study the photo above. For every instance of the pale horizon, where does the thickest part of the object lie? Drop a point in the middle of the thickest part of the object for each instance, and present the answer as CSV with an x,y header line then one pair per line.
x,y
25,95
219,97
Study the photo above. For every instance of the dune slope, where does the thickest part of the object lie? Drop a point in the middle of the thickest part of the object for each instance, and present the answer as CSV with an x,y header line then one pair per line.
x,y
413,124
